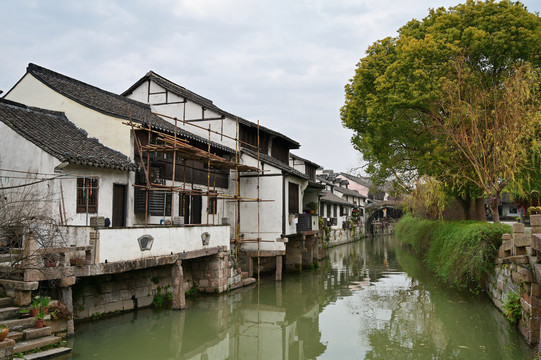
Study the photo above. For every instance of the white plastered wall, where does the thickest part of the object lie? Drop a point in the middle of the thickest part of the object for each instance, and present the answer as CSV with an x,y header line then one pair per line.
x,y
107,129
172,105
63,188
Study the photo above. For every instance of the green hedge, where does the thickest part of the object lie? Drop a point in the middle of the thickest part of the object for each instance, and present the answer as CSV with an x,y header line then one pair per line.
x,y
458,252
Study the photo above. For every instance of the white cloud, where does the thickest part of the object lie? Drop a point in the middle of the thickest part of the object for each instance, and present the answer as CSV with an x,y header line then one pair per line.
x,y
282,62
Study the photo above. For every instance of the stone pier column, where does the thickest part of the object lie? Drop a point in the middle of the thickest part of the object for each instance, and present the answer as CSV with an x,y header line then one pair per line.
x,y
278,292
30,247
67,299
179,296
250,262
278,268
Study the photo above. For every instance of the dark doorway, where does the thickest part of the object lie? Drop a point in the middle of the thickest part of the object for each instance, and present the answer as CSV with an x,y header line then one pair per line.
x,y
197,206
119,205
190,207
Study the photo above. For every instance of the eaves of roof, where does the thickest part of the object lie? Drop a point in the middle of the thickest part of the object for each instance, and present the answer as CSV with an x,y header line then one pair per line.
x,y
277,163
317,166
350,192
334,199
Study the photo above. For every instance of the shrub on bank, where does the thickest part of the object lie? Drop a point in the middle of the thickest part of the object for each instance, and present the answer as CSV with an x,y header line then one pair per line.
x,y
458,252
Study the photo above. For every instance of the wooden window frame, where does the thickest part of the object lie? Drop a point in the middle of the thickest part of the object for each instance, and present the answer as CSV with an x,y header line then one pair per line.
x,y
90,186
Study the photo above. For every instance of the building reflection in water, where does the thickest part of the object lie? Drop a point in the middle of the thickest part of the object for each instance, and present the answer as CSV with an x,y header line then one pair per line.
x,y
370,299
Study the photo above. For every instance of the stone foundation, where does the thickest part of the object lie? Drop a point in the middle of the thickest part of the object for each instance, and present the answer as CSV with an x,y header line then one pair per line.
x,y
303,251
518,278
516,271
6,349
94,296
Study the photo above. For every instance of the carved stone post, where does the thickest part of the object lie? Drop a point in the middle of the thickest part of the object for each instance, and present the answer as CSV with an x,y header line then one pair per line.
x,y
179,296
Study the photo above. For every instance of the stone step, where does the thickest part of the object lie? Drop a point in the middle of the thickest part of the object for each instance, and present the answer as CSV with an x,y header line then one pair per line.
x,y
15,335
9,258
5,301
20,324
30,334
48,353
9,313
27,345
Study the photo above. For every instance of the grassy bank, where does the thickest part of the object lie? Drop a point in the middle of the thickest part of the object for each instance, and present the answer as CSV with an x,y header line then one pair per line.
x,y
458,252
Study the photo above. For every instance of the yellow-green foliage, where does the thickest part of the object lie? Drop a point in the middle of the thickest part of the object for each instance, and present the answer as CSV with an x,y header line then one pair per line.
x,y
427,199
458,252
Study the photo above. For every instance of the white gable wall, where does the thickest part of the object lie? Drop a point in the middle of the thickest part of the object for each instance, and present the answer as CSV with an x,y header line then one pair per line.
x,y
107,129
171,105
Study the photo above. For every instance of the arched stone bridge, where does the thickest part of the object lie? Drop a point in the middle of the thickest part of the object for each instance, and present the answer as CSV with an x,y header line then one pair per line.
x,y
389,209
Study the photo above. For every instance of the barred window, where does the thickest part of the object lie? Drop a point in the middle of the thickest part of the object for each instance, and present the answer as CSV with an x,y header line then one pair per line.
x,y
87,195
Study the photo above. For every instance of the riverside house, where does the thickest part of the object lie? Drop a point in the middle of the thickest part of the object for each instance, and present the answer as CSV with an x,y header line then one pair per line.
x,y
274,225
161,204
80,141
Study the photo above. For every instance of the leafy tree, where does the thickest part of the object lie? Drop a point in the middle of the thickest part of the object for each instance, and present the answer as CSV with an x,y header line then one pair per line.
x,y
401,100
491,126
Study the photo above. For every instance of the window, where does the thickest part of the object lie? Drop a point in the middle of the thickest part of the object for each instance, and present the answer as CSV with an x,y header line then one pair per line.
x,y
87,195
293,198
328,214
334,210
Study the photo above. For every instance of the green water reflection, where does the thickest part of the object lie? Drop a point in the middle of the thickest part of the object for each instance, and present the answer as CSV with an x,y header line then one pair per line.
x,y
368,300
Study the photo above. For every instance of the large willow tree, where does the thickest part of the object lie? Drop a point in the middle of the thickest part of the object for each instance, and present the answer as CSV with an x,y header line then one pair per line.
x,y
454,96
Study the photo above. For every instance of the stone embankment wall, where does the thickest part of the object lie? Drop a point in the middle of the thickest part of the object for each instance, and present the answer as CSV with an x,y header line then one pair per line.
x,y
94,296
517,270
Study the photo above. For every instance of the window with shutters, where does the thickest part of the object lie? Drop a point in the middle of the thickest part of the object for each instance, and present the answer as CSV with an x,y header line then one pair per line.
x,y
293,198
87,195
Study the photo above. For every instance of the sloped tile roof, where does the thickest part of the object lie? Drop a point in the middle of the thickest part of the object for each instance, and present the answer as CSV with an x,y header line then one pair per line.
x,y
331,198
275,162
109,103
208,104
350,192
55,134
317,166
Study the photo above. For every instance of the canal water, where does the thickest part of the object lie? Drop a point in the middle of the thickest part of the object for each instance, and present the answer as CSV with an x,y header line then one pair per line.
x,y
371,299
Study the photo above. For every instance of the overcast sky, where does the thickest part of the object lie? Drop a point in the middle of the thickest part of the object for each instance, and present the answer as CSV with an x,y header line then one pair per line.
x,y
282,62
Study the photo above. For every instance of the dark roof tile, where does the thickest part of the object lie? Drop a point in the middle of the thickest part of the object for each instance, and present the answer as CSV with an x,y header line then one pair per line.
x,y
55,134
275,162
109,103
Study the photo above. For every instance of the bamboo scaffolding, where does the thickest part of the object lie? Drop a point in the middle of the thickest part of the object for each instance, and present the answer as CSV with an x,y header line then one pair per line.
x,y
181,148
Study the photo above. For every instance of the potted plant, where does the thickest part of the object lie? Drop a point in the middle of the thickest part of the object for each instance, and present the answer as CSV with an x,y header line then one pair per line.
x,y
4,330
78,261
39,319
50,260
44,303
312,206
35,305
59,311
